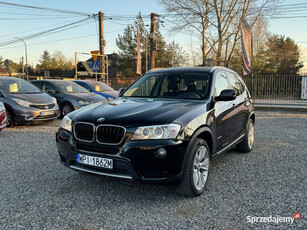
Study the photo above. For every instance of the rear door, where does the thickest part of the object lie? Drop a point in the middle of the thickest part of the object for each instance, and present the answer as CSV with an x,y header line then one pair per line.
x,y
240,110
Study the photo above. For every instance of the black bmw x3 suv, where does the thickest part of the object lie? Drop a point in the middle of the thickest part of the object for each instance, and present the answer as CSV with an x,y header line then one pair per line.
x,y
166,127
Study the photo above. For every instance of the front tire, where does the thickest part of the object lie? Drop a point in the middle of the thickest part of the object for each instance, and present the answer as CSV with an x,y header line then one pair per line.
x,y
66,109
247,144
10,119
196,169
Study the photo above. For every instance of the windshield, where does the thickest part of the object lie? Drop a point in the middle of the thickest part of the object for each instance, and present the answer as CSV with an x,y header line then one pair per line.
x,y
100,87
70,87
18,86
171,85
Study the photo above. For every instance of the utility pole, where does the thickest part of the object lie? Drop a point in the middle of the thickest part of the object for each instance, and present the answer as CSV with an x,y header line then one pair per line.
x,y
101,46
153,40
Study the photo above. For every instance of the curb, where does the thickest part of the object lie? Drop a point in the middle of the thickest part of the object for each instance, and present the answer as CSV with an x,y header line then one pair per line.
x,y
298,108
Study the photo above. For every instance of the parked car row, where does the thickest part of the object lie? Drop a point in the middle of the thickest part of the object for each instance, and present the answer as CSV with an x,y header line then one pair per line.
x,y
39,100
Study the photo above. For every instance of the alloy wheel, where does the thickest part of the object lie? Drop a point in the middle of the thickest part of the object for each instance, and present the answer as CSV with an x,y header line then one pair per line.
x,y
251,135
66,110
200,167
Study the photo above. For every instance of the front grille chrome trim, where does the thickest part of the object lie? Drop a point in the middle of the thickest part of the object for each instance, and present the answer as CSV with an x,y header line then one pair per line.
x,y
89,141
106,125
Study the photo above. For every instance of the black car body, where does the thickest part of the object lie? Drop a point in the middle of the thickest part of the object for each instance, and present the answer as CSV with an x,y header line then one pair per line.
x,y
70,96
24,102
165,127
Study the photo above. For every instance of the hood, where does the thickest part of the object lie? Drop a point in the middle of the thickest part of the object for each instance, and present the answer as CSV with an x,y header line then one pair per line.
x,y
36,98
90,97
136,112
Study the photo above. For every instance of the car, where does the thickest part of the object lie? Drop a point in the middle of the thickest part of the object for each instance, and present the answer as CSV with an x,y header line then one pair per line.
x,y
99,88
24,102
164,128
2,116
69,95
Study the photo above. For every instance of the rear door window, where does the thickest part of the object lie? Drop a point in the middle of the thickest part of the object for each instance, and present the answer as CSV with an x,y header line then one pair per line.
x,y
235,83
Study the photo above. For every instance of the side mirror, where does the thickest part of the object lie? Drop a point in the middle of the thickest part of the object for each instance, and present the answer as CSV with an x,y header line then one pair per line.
x,y
121,90
227,95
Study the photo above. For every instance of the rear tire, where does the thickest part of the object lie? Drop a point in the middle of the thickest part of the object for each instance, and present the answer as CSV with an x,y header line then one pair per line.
x,y
196,169
247,143
10,118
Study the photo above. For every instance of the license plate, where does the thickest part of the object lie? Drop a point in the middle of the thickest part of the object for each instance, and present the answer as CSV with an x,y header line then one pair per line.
x,y
95,161
46,113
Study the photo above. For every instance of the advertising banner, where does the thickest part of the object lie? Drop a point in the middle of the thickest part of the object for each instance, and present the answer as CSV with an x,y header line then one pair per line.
x,y
247,47
138,62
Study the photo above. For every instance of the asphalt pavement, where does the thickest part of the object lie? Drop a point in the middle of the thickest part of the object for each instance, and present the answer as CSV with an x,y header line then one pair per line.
x,y
38,192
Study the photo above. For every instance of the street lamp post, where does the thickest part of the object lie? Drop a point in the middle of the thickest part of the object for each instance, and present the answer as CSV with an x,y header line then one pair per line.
x,y
26,56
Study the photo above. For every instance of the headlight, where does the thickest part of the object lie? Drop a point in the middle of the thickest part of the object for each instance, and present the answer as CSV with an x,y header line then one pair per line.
x,y
83,102
2,108
54,101
22,102
169,131
66,123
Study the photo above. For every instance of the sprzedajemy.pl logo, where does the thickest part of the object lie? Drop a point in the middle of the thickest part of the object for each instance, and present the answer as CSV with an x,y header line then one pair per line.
x,y
273,219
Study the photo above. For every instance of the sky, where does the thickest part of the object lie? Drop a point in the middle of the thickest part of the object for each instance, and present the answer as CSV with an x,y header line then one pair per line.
x,y
85,37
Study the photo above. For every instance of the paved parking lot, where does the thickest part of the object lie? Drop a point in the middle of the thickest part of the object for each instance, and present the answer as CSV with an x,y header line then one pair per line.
x,y
38,192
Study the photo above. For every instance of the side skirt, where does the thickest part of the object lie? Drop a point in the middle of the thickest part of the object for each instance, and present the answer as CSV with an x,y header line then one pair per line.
x,y
236,141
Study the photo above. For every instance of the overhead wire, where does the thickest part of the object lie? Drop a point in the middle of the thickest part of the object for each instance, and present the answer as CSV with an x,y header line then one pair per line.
x,y
44,8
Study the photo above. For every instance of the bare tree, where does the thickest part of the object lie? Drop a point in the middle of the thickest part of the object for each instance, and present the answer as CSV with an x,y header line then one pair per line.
x,y
191,14
218,22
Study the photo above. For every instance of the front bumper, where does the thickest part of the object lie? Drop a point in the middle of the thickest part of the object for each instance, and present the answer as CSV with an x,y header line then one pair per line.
x,y
26,114
135,160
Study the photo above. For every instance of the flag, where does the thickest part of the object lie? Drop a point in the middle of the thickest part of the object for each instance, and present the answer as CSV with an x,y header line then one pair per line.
x,y
138,61
247,47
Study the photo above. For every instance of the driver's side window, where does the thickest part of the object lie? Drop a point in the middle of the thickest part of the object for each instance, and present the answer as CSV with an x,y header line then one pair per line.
x,y
48,87
221,83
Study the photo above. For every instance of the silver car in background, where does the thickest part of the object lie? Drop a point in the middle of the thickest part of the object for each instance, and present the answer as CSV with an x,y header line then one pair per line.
x,y
24,102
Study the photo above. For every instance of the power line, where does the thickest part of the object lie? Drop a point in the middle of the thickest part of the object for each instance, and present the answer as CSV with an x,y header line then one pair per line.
x,y
39,18
44,8
50,31
58,40
38,28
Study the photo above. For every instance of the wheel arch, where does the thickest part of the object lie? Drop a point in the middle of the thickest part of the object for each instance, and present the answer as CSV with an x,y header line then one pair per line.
x,y
204,133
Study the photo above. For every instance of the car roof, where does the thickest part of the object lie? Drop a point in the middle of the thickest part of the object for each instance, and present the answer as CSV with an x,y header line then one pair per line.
x,y
51,80
89,81
8,78
188,69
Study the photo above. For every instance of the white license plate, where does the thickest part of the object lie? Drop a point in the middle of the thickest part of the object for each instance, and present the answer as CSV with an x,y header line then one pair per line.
x,y
46,113
95,161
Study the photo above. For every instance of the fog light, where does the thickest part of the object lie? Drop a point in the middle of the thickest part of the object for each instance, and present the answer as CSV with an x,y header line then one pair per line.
x,y
161,152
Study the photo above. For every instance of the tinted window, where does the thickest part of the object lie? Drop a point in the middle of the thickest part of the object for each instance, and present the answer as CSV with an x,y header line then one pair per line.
x,y
100,87
221,83
235,83
18,86
46,87
70,87
85,86
171,85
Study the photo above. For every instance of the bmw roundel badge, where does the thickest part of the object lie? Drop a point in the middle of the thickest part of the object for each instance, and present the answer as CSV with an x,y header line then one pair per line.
x,y
100,119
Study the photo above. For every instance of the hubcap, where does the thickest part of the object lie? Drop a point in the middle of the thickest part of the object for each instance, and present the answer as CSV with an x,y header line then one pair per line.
x,y
66,110
251,135
200,167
